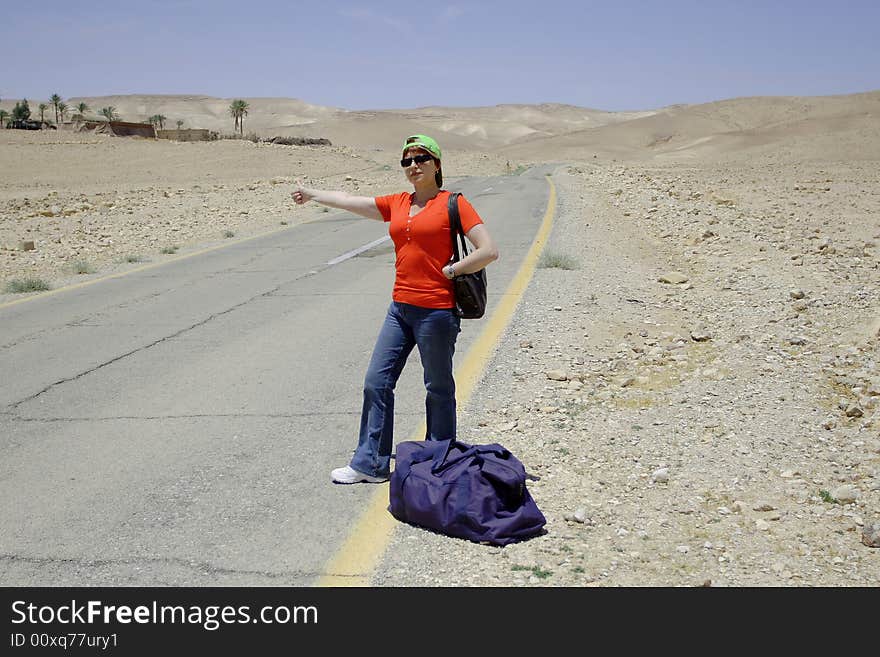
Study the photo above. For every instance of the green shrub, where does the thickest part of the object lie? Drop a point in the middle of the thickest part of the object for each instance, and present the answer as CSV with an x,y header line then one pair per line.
x,y
81,267
827,497
551,260
537,571
29,284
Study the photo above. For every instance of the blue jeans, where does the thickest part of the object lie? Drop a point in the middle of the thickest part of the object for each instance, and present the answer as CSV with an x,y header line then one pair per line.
x,y
434,331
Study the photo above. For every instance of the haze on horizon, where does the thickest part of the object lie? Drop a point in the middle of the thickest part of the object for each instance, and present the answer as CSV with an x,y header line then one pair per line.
x,y
630,55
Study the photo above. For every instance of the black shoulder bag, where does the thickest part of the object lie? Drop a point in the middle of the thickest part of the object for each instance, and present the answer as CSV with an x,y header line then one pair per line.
x,y
470,289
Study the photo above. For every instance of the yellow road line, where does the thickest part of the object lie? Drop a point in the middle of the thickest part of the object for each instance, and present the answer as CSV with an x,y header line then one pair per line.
x,y
358,557
152,265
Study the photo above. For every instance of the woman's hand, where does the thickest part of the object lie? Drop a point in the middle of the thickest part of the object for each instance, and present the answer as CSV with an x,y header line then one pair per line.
x,y
301,195
364,206
449,271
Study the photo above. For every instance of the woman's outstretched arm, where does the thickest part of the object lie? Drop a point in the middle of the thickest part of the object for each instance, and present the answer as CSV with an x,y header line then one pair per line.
x,y
364,206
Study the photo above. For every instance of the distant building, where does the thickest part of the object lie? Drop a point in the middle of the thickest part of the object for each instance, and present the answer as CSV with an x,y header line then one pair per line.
x,y
118,128
187,134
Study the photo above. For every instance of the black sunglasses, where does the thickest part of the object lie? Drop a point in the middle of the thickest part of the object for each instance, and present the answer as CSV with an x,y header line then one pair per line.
x,y
418,159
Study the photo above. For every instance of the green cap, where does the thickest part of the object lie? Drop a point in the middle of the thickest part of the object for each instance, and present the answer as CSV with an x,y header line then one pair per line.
x,y
423,141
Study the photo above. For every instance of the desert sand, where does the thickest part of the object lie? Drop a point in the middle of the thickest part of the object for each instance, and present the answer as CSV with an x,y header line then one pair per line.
x,y
697,393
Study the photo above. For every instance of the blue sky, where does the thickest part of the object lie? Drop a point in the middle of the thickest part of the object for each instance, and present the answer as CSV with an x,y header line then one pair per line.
x,y
610,55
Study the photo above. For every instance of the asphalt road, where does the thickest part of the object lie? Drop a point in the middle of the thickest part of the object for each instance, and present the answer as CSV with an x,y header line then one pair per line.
x,y
176,426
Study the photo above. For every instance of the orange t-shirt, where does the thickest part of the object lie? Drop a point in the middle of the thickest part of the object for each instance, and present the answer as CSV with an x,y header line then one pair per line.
x,y
423,246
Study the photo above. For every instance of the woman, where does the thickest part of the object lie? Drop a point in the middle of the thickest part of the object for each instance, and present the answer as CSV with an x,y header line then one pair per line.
x,y
421,313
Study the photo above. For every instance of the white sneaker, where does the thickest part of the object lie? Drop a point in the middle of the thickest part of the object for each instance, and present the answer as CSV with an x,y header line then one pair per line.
x,y
349,475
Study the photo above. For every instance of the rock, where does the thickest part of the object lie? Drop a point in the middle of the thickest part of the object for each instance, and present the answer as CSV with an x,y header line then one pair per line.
x,y
854,410
700,336
762,525
797,294
845,494
684,549
763,506
27,246
580,515
660,476
797,340
871,535
556,375
738,506
673,278
722,200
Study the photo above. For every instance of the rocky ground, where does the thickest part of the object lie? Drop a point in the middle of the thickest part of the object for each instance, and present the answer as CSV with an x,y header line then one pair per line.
x,y
697,394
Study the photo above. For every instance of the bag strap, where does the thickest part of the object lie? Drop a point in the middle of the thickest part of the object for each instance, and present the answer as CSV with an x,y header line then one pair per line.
x,y
439,461
442,460
455,228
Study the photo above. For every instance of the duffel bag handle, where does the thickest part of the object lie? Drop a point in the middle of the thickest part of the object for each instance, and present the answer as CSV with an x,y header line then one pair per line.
x,y
442,460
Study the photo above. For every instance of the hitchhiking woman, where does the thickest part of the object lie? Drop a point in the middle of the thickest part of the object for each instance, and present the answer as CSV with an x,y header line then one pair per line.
x,y
422,311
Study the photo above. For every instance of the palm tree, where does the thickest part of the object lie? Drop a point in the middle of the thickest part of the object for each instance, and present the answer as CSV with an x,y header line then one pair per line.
x,y
179,124
110,113
239,109
55,99
42,107
82,108
21,111
233,112
62,110
4,116
160,119
242,112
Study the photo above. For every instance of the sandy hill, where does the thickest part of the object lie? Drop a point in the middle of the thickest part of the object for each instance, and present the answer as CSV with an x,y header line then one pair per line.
x,y
848,125
458,127
474,127
209,112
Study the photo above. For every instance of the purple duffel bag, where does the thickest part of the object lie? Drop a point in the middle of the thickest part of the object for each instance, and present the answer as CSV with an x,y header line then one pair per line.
x,y
477,492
